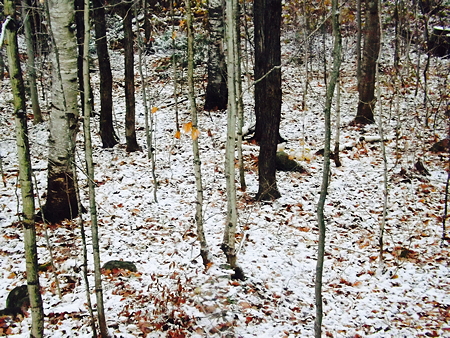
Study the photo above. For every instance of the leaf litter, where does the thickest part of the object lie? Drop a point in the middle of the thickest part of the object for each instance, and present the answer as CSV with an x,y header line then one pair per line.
x,y
173,295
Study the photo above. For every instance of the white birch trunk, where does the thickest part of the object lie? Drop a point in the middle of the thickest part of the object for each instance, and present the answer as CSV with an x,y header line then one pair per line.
x,y
91,177
61,197
204,251
26,186
229,240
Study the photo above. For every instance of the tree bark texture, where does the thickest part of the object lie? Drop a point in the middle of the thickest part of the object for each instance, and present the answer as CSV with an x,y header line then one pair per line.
x,y
26,186
337,52
31,68
204,251
371,51
61,197
107,133
130,114
267,22
216,89
229,236
91,176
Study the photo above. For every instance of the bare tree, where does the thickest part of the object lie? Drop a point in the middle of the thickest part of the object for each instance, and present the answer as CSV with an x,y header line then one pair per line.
x,y
26,186
107,134
229,237
90,174
366,83
204,251
337,51
31,64
267,22
61,197
124,9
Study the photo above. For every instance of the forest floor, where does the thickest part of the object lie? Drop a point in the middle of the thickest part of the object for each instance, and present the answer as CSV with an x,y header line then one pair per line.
x,y
173,295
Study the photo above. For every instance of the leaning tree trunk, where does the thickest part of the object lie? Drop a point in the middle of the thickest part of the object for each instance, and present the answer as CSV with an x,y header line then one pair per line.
x,y
337,51
107,134
61,197
216,89
267,22
371,51
26,186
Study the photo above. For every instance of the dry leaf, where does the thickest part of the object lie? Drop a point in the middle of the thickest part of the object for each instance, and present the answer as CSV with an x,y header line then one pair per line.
x,y
177,134
195,133
154,109
187,127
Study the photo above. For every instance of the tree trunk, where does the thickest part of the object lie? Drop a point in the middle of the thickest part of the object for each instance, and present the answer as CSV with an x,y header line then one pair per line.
x,y
267,22
26,186
216,89
107,133
61,197
369,60
31,68
337,51
130,118
229,237
204,251
91,177
358,41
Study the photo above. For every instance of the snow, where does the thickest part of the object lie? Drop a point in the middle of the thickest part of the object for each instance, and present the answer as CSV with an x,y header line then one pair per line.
x,y
405,297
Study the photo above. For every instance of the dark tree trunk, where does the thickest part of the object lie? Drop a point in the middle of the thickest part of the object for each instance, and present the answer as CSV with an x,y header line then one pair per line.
x,y
79,8
216,89
79,13
147,24
61,196
130,118
368,68
267,22
107,134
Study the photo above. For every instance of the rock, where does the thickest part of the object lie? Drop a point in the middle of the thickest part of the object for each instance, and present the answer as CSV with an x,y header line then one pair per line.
x,y
111,265
284,163
18,298
441,146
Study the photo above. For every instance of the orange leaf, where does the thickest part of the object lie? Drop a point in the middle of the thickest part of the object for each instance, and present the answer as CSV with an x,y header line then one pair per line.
x,y
187,127
195,133
154,109
177,134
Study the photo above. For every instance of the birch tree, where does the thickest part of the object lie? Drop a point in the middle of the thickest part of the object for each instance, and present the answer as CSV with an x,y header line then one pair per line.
x,y
61,197
204,251
229,238
91,176
26,186
337,51
31,64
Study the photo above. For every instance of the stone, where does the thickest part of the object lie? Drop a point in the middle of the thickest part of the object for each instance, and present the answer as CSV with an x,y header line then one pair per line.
x,y
126,265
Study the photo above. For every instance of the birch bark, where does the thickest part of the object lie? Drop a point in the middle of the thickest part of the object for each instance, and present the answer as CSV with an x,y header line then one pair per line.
x,y
91,176
61,197
26,186
204,251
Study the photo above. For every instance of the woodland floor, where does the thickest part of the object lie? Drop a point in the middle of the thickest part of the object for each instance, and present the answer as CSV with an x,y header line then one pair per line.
x,y
172,295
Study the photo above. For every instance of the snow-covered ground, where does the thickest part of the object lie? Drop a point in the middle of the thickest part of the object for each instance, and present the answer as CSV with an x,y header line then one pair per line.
x,y
172,295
